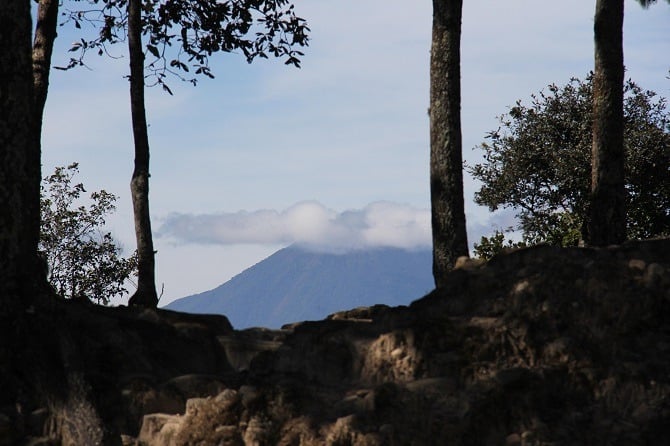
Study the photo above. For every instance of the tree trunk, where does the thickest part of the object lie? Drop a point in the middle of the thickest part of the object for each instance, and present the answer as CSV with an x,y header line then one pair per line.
x,y
446,162
45,35
19,158
139,186
607,216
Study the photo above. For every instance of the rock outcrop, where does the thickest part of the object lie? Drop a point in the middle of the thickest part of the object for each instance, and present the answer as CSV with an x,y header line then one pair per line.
x,y
541,346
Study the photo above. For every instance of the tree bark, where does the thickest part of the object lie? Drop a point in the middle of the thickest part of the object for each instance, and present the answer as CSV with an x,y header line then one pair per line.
x,y
607,216
19,157
45,36
139,186
446,162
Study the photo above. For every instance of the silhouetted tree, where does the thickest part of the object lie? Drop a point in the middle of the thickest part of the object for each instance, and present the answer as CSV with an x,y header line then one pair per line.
x,y
139,186
446,159
537,162
607,216
198,29
607,221
19,187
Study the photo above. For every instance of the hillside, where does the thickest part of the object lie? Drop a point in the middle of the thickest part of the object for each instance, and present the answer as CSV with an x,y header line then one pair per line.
x,y
297,285
541,346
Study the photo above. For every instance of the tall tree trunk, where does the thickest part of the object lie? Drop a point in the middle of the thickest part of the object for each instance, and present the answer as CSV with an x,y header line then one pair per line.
x,y
446,162
19,158
139,185
607,217
43,43
45,36
16,143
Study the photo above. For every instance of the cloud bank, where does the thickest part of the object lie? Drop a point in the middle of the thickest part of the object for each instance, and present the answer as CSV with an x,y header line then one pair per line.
x,y
309,224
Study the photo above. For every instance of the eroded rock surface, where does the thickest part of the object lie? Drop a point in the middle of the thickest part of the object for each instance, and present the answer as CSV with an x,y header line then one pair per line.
x,y
542,346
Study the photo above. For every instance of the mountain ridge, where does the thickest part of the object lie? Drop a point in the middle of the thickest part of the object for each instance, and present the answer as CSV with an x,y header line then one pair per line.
x,y
296,284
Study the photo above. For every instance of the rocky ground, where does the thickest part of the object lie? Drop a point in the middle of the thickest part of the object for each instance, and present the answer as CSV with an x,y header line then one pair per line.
x,y
542,346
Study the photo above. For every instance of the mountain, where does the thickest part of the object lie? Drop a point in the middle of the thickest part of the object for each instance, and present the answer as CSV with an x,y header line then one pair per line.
x,y
295,284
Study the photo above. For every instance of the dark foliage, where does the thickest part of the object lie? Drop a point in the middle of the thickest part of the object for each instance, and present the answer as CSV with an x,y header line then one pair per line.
x,y
488,247
181,35
83,261
538,163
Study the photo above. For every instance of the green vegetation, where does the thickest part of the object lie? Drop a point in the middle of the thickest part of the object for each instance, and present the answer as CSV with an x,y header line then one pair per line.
x,y
497,243
84,262
538,162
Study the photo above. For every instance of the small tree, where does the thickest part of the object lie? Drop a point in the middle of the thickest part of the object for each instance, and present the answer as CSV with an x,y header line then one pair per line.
x,y
538,163
491,246
83,261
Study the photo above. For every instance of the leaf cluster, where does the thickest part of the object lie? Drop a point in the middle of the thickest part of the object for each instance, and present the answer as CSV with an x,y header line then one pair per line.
x,y
182,35
538,163
497,243
83,261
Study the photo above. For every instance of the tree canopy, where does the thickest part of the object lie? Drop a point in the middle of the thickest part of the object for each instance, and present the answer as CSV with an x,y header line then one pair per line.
x,y
181,35
538,163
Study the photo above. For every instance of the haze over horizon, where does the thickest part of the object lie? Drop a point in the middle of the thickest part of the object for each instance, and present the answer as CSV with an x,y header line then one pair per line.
x,y
334,154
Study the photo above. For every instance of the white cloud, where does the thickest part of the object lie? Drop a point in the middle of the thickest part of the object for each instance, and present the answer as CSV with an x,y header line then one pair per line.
x,y
308,223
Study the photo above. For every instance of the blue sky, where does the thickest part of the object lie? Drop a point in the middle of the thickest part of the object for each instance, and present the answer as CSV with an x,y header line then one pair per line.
x,y
334,154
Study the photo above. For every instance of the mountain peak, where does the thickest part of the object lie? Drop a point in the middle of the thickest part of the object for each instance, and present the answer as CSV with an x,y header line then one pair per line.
x,y
299,283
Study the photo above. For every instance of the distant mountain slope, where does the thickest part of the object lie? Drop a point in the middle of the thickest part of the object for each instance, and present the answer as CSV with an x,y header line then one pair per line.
x,y
295,285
